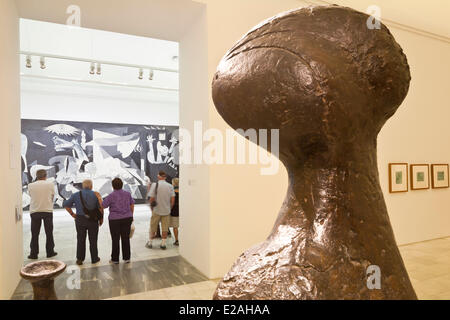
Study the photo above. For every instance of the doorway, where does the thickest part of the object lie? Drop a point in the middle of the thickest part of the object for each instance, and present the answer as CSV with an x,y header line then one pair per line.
x,y
98,105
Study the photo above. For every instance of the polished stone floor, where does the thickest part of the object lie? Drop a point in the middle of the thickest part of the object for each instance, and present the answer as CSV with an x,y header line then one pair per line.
x,y
163,275
150,269
107,281
428,265
66,239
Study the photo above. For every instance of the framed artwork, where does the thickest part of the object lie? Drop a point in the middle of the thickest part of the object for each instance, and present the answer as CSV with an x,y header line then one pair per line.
x,y
398,177
419,176
73,151
439,174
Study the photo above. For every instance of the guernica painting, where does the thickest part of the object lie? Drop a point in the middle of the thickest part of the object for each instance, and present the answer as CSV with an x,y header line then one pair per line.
x,y
74,151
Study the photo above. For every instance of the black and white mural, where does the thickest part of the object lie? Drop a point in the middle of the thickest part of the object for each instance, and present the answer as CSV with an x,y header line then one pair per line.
x,y
74,151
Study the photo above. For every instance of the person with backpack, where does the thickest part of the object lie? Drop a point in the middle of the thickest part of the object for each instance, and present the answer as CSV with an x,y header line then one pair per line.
x,y
88,218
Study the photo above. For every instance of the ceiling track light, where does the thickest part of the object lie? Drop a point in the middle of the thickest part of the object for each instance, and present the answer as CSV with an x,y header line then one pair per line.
x,y
141,74
42,61
150,77
92,69
99,69
28,62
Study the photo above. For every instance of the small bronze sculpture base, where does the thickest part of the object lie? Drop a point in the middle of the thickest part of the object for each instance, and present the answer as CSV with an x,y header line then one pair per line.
x,y
41,275
44,290
328,82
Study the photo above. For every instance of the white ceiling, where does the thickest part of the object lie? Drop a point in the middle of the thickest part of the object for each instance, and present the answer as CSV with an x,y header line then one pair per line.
x,y
60,39
431,16
160,19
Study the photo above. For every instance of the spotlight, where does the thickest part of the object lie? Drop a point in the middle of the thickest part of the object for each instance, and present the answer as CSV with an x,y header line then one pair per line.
x,y
150,77
28,60
43,63
99,68
92,70
141,74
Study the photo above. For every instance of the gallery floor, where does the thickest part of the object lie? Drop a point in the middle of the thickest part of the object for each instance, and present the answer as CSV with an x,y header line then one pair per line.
x,y
150,269
158,274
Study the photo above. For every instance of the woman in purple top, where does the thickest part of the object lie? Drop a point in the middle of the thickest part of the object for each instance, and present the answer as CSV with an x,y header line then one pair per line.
x,y
121,208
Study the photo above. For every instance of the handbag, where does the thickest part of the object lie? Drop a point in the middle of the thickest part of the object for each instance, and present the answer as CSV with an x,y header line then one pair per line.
x,y
154,203
132,229
94,214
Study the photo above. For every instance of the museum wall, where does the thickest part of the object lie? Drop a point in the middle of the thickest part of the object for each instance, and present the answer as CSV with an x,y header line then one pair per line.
x,y
194,178
419,130
419,133
50,100
244,204
239,204
10,196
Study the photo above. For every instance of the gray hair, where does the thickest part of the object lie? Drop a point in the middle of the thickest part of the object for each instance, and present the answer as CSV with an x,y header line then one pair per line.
x,y
41,174
87,184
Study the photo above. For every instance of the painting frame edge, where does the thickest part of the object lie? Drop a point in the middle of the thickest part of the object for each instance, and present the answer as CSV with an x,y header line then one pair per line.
x,y
411,166
390,176
432,173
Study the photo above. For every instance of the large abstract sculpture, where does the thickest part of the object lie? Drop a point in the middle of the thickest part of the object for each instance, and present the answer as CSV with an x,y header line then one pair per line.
x,y
329,83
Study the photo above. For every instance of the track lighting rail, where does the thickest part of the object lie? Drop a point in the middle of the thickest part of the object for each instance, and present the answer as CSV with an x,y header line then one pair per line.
x,y
102,62
107,83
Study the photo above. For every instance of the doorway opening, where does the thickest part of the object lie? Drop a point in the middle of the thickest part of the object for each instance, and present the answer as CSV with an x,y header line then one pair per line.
x,y
98,105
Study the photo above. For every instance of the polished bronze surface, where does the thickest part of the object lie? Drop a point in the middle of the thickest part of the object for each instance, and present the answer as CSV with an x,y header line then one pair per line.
x,y
42,276
329,83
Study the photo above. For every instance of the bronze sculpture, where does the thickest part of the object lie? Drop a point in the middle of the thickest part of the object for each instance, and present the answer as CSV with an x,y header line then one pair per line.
x,y
329,83
42,276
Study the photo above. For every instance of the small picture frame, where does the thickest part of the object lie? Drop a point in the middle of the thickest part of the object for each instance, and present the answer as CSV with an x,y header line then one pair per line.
x,y
419,176
439,176
398,177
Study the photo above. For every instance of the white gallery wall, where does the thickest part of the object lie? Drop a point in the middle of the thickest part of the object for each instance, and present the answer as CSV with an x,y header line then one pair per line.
x,y
229,229
52,99
418,133
56,100
10,189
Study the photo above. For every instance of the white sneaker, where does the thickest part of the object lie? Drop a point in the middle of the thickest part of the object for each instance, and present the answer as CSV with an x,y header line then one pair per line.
x,y
127,261
148,245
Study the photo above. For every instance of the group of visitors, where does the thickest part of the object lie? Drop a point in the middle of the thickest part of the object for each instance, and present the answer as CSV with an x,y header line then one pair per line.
x,y
88,215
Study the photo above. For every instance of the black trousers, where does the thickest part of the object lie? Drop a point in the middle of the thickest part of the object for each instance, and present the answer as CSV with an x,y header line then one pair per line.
x,y
36,221
120,232
87,226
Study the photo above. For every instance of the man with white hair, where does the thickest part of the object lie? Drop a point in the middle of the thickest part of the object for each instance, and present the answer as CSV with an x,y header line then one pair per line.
x,y
88,199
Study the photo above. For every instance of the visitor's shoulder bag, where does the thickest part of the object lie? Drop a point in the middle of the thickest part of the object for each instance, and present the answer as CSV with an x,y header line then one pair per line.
x,y
94,214
154,203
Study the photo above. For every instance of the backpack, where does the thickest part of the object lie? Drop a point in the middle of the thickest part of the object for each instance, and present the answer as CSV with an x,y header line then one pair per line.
x,y
93,214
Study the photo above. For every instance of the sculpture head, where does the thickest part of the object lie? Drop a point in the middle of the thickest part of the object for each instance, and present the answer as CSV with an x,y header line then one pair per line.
x,y
318,74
